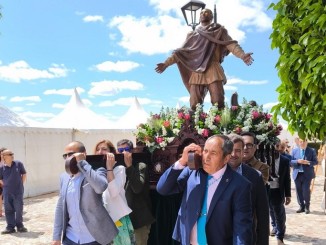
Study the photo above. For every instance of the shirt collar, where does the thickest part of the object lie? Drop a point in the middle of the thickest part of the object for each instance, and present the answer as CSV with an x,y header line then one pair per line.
x,y
219,173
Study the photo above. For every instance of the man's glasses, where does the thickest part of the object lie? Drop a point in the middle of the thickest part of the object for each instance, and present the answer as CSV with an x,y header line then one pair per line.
x,y
249,145
10,154
122,149
69,154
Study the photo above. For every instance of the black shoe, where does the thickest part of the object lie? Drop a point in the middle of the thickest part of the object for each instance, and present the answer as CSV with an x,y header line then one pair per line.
x,y
280,241
22,229
307,211
300,210
8,231
273,232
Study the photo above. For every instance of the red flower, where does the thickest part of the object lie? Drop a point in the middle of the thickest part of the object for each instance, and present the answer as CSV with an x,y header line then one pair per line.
x,y
181,115
217,119
159,140
166,124
234,108
187,116
205,132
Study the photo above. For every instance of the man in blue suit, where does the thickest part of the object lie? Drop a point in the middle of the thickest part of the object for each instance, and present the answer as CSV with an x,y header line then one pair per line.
x,y
260,210
216,202
303,161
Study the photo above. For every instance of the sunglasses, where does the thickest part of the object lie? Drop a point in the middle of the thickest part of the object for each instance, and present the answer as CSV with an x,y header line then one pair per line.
x,y
122,149
69,154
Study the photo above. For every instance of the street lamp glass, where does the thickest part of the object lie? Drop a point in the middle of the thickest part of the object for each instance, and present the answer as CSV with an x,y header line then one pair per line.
x,y
189,11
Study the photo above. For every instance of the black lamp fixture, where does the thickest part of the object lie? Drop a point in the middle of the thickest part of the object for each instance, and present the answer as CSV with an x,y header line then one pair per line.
x,y
189,10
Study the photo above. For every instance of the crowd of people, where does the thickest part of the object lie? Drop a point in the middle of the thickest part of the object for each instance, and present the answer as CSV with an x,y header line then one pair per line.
x,y
232,199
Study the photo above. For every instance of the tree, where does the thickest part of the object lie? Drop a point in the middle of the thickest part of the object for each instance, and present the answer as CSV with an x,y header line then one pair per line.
x,y
299,31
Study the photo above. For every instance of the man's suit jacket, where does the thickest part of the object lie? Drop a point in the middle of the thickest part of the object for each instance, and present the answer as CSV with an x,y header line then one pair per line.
x,y
308,170
137,195
96,218
260,206
229,218
284,180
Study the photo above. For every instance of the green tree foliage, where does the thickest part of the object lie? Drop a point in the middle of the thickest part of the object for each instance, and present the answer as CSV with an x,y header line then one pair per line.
x,y
299,33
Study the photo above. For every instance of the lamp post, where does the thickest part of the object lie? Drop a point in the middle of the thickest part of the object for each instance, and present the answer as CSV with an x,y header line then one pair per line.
x,y
190,10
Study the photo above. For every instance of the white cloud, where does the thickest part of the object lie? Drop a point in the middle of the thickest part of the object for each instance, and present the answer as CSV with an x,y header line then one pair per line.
x,y
17,109
68,92
268,106
27,98
235,80
129,101
238,16
21,70
119,66
3,97
160,33
58,105
184,99
93,18
108,88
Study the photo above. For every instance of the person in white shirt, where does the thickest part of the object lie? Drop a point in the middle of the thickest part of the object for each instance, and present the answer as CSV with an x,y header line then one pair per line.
x,y
114,198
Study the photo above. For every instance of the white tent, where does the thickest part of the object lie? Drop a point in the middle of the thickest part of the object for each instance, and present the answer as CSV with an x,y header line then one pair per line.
x,y
133,117
76,115
9,118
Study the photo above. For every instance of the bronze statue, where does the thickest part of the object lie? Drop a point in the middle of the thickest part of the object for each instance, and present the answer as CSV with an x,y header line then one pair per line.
x,y
199,60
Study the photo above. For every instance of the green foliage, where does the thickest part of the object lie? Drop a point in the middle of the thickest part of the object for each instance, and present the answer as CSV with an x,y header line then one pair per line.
x,y
299,31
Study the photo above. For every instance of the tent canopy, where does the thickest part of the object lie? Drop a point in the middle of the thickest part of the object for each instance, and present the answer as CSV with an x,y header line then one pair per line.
x,y
77,115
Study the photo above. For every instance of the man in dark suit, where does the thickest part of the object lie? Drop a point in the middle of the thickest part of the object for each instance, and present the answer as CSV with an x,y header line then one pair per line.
x,y
259,199
216,202
303,161
280,193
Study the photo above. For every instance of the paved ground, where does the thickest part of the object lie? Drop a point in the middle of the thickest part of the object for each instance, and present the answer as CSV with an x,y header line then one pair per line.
x,y
302,229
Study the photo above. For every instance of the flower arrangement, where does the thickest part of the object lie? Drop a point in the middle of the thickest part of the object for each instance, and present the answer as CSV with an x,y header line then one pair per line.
x,y
161,129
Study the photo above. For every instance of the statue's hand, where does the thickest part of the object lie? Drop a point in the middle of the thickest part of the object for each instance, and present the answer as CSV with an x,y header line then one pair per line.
x,y
248,59
160,67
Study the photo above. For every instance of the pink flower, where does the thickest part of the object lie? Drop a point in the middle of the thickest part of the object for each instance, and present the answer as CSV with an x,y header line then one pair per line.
x,y
203,115
205,132
159,140
238,130
268,116
217,119
187,116
166,124
255,114
181,115
234,108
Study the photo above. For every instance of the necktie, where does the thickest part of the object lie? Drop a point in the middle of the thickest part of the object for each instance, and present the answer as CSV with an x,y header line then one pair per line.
x,y
302,157
302,153
201,222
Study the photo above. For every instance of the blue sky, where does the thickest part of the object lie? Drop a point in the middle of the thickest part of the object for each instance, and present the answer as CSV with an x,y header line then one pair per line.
x,y
108,50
